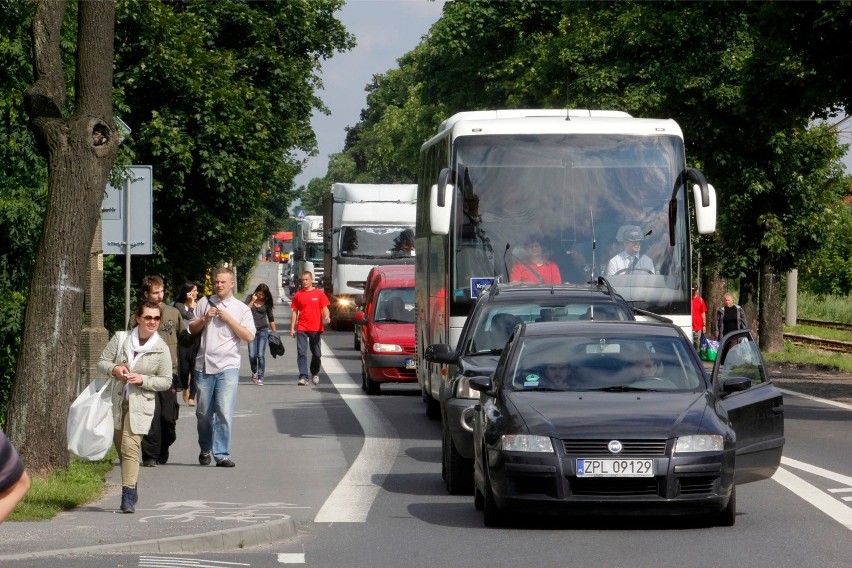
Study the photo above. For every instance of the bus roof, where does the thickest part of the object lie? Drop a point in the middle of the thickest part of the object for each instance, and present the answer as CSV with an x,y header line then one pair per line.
x,y
552,121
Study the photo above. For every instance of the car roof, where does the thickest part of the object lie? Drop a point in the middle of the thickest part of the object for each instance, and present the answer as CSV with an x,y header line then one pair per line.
x,y
512,291
648,330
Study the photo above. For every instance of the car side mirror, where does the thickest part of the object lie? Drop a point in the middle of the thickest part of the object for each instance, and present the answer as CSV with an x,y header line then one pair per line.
x,y
735,384
360,318
482,384
441,353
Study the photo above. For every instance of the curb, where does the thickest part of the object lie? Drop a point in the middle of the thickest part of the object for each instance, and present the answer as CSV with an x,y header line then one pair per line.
x,y
224,540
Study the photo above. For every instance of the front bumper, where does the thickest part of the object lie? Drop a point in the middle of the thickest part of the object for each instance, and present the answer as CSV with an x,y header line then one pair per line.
x,y
390,368
548,484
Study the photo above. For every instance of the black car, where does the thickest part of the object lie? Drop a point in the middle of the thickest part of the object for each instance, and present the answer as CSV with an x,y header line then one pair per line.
x,y
486,331
606,417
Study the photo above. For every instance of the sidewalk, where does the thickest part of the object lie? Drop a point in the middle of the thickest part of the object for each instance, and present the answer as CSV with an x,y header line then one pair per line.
x,y
185,507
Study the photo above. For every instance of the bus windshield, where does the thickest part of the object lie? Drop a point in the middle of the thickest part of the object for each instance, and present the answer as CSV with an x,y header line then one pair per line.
x,y
553,208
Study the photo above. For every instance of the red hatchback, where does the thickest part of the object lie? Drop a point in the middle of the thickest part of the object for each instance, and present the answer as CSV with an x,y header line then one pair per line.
x,y
387,325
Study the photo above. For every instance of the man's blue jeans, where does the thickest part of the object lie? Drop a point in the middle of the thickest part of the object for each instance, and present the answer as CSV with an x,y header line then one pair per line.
x,y
303,339
257,352
215,403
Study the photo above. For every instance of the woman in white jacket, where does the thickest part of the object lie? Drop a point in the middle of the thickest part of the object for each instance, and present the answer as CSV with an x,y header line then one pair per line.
x,y
141,364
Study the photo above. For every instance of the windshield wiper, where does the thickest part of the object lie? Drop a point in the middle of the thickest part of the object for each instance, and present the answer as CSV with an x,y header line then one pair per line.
x,y
621,388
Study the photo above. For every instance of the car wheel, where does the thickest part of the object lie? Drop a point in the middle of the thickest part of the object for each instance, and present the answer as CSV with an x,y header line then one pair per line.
x,y
459,471
728,516
445,435
433,408
372,386
356,342
492,515
363,376
478,499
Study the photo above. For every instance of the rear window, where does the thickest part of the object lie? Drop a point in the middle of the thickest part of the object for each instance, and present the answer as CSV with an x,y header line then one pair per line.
x,y
497,320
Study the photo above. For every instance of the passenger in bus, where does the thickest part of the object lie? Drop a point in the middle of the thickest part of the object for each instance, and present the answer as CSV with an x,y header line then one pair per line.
x,y
474,253
630,260
533,267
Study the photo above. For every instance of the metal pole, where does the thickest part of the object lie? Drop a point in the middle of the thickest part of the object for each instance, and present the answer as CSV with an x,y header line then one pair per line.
x,y
792,296
127,250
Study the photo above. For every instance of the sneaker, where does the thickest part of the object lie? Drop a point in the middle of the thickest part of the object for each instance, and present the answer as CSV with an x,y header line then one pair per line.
x,y
259,382
254,379
149,463
302,382
204,458
225,463
315,380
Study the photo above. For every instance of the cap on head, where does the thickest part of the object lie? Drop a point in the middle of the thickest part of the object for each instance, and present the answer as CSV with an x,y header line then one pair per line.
x,y
632,234
695,287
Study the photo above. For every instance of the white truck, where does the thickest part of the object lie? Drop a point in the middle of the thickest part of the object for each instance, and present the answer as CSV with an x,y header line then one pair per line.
x,y
366,225
307,250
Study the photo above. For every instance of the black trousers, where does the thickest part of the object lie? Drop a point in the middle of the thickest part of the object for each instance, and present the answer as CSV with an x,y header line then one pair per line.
x,y
155,444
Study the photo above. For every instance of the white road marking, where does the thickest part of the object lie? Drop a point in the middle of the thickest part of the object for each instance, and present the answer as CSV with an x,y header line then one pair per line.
x,y
171,561
291,558
838,477
351,500
842,405
816,497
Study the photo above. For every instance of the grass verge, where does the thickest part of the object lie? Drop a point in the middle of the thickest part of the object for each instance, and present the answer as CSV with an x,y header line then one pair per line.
x,y
803,356
63,490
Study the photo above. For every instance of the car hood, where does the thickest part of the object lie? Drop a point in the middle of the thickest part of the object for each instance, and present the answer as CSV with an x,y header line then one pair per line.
x,y
398,333
605,414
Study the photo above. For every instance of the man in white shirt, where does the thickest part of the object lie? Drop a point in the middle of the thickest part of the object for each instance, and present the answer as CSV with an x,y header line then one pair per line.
x,y
630,260
223,322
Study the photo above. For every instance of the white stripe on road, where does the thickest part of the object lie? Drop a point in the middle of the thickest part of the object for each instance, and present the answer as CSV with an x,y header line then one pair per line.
x,y
842,405
838,477
291,558
816,497
351,500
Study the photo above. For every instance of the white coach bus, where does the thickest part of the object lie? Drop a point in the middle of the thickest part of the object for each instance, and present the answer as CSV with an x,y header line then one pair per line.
x,y
493,184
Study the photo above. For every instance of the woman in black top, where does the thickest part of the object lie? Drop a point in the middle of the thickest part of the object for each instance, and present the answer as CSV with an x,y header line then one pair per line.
x,y
185,304
260,303
730,317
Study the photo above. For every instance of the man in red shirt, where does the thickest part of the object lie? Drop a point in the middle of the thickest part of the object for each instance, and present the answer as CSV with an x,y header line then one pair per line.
x,y
699,326
310,312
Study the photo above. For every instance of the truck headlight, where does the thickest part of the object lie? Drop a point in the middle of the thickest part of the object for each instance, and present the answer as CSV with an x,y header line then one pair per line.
x,y
386,348
699,443
525,443
345,302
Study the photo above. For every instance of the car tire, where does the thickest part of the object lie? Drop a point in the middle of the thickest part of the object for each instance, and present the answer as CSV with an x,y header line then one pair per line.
x,y
492,515
433,408
356,342
372,387
728,516
363,376
478,499
459,471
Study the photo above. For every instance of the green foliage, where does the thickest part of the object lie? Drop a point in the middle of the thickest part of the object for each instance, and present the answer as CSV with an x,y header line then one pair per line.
x,y
82,483
829,269
824,307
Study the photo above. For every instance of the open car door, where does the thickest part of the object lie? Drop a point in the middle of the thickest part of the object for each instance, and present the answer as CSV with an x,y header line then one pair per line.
x,y
755,406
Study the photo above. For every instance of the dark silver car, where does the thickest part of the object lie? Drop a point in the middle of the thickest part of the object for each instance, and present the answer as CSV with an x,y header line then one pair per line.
x,y
622,418
486,331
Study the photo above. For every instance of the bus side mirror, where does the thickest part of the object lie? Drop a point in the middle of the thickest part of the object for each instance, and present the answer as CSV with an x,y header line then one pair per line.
x,y
441,204
705,215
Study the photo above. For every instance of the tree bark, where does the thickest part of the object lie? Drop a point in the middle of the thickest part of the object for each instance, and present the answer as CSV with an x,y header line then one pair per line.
x,y
771,320
80,150
749,300
714,290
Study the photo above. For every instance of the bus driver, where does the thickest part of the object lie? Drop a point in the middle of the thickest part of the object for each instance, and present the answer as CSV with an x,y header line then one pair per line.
x,y
630,260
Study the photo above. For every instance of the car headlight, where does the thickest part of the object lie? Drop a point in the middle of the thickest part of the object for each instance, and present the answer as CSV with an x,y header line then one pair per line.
x,y
386,348
463,389
526,443
699,443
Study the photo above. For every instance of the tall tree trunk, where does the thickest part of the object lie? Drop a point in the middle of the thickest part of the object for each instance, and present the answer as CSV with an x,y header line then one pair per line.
x,y
771,321
714,289
80,152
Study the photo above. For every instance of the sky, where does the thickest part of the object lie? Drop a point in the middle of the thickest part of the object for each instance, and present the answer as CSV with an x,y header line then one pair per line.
x,y
384,30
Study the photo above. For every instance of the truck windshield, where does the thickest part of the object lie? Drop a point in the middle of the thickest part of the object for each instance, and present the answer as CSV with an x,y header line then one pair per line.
x,y
375,242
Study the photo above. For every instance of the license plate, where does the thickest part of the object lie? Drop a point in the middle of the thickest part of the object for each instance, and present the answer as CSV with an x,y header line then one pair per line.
x,y
410,364
614,468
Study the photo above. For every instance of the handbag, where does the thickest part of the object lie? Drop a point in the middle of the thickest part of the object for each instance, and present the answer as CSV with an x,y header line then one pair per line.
x,y
90,425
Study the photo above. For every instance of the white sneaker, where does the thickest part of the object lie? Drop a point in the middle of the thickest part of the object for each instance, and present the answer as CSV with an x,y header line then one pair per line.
x,y
315,380
302,382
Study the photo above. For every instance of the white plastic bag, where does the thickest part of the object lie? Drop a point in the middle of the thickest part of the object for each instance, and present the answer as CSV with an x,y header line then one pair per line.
x,y
90,424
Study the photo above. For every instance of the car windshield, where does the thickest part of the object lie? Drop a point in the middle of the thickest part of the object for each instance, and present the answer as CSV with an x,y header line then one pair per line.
x,y
606,363
497,320
395,305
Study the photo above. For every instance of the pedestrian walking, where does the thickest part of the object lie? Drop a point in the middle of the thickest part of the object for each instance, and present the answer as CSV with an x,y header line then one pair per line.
x,y
730,317
163,433
260,304
309,312
141,365
186,301
699,321
14,479
223,321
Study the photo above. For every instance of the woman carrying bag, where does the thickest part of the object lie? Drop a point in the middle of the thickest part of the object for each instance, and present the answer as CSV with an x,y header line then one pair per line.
x,y
140,363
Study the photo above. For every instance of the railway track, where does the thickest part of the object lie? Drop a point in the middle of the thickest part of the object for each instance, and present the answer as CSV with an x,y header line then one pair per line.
x,y
828,324
818,343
